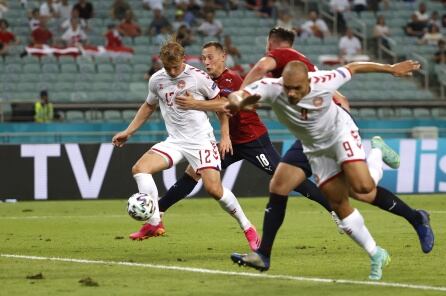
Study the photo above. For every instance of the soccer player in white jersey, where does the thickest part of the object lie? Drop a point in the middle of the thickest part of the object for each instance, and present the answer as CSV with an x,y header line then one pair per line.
x,y
303,102
190,136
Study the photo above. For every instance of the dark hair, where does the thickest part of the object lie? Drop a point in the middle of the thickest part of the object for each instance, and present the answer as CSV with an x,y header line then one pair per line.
x,y
44,93
215,44
282,34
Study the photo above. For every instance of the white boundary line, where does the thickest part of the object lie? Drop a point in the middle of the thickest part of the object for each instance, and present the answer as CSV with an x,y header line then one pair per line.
x,y
123,215
230,273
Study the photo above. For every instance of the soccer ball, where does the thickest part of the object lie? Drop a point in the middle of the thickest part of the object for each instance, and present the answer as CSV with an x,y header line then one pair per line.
x,y
141,206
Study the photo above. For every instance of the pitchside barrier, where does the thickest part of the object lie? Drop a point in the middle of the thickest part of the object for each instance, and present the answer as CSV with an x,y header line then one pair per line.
x,y
99,171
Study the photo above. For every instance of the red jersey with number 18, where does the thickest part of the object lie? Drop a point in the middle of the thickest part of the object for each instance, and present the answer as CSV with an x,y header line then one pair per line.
x,y
245,126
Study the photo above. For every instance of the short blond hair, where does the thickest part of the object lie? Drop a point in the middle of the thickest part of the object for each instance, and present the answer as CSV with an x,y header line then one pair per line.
x,y
172,52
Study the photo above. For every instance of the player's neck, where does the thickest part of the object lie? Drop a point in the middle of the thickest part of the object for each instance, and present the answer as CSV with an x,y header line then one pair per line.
x,y
219,72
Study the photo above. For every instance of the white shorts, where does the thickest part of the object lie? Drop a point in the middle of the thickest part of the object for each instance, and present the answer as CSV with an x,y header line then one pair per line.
x,y
200,155
327,164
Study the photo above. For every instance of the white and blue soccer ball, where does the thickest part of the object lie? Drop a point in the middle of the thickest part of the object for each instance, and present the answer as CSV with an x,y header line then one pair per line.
x,y
141,206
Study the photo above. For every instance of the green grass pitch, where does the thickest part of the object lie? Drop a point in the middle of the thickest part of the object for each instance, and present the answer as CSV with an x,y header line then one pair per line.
x,y
200,235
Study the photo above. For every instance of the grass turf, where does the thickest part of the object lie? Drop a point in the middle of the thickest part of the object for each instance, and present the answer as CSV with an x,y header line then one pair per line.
x,y
201,235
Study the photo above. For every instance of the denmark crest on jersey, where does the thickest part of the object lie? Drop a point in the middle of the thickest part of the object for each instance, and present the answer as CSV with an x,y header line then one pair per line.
x,y
318,101
181,84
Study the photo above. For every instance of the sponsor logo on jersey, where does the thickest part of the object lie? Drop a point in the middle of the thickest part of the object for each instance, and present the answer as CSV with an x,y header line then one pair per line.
x,y
226,91
229,80
161,86
214,85
181,84
318,101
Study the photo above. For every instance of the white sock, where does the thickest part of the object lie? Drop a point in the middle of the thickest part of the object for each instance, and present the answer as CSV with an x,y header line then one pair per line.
x,y
230,204
375,164
354,226
147,185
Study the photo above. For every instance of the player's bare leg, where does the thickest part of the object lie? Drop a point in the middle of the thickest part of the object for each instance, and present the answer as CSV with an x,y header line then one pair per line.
x,y
227,200
387,201
336,190
150,163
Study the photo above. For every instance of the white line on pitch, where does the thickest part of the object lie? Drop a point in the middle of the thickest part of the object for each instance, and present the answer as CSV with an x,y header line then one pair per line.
x,y
124,215
231,273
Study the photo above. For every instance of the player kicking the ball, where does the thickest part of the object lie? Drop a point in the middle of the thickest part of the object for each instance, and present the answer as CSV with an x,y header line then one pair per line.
x,y
190,136
249,137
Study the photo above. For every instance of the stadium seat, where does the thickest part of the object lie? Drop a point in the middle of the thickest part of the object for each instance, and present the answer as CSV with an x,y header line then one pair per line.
x,y
13,68
74,115
83,86
79,97
105,68
140,68
112,115
103,77
26,87
128,115
50,68
386,113
30,77
87,68
367,113
123,68
101,86
68,68
63,86
421,113
403,112
439,112
93,115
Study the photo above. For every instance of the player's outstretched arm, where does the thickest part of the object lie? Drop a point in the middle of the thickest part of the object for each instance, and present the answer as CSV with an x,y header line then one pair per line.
x,y
242,100
260,69
141,116
405,68
188,102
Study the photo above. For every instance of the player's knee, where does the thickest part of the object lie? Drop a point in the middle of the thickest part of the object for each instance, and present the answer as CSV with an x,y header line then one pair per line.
x,y
214,190
278,186
136,169
139,168
363,187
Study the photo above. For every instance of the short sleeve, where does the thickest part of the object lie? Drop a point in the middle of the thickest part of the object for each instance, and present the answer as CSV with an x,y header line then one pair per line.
x,y
152,97
332,80
268,89
207,87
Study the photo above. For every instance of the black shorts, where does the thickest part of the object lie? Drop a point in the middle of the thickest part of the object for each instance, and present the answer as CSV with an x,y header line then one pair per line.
x,y
259,152
295,156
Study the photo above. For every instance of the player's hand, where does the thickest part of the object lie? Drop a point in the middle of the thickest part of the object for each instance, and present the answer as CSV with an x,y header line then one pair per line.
x,y
186,101
250,103
225,146
120,138
405,68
